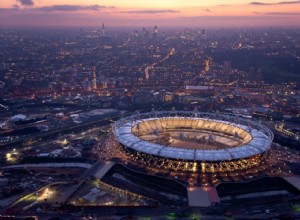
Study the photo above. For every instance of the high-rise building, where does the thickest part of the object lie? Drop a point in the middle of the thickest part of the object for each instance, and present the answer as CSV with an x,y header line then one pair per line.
x,y
203,32
94,79
86,84
144,31
255,75
103,30
251,74
227,69
155,31
147,69
258,77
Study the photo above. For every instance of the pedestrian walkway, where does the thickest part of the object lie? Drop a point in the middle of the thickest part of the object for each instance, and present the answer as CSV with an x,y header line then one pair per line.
x,y
213,195
198,197
49,165
293,180
99,174
202,196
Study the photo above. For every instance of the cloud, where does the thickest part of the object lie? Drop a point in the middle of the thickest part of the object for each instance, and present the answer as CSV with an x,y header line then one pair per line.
x,y
215,17
278,3
26,2
69,8
277,13
150,11
15,8
207,10
288,3
259,17
258,3
282,13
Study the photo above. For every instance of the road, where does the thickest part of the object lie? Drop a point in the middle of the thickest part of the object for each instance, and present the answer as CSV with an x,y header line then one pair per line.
x,y
163,213
171,52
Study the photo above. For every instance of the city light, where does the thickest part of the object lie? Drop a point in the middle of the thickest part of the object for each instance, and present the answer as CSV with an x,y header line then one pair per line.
x,y
169,106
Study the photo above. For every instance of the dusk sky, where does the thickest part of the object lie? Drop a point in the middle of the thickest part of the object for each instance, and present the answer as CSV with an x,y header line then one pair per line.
x,y
136,13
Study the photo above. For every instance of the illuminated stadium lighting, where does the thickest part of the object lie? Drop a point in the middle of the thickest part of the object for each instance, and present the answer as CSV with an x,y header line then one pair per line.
x,y
193,141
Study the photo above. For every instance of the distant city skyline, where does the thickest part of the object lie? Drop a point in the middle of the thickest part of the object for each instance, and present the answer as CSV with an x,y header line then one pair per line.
x,y
133,13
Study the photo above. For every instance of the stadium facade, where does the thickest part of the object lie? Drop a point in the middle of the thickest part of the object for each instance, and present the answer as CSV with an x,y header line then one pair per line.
x,y
193,141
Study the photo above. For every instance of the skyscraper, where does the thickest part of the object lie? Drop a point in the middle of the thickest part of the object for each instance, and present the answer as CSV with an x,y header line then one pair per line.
x,y
255,75
226,69
258,77
147,72
103,30
144,32
251,74
94,78
155,31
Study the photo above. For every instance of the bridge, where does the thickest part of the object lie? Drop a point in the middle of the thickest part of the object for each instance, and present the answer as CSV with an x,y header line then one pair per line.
x,y
202,196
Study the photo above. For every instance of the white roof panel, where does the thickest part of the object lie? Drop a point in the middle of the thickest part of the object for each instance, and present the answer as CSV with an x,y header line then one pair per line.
x,y
260,142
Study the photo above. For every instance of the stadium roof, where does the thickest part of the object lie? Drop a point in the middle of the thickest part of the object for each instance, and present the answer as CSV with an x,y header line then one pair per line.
x,y
260,142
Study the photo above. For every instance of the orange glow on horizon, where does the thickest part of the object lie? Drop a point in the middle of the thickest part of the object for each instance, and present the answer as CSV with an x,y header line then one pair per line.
x,y
126,13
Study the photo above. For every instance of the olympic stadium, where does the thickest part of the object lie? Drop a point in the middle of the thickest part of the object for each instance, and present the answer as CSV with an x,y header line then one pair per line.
x,y
193,141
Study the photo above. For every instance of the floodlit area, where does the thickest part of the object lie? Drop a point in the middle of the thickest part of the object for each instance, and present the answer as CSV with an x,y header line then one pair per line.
x,y
191,133
97,193
51,194
193,141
